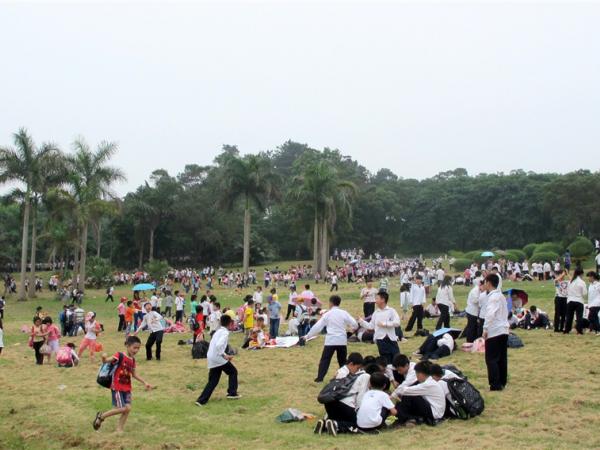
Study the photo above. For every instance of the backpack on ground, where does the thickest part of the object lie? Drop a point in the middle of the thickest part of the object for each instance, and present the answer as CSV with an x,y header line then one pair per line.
x,y
455,370
107,372
336,389
466,402
199,350
514,341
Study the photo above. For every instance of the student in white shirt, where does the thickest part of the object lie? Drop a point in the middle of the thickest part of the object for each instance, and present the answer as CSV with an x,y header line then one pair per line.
x,y
575,294
337,321
179,303
218,361
444,347
422,402
445,301
343,411
257,297
152,321
594,301
483,301
384,322
495,333
214,320
442,376
367,295
417,300
291,303
376,405
405,371
472,311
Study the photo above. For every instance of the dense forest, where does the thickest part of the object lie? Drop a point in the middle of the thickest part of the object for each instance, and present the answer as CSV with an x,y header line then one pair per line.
x,y
291,201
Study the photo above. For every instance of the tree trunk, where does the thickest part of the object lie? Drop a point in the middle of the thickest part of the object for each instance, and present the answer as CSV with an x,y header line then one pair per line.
x,y
99,238
31,292
324,249
141,257
21,293
316,240
151,249
83,257
246,258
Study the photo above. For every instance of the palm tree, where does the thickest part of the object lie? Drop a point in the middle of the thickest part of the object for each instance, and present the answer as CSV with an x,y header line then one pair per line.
x,y
320,187
251,179
90,179
26,164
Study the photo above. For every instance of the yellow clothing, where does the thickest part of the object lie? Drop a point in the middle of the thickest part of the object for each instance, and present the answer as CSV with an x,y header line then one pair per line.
x,y
248,318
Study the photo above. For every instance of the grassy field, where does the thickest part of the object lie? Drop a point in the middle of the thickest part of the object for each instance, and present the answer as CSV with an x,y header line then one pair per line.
x,y
552,400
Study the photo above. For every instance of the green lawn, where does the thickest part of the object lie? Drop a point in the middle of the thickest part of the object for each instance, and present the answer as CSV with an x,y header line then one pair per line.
x,y
552,400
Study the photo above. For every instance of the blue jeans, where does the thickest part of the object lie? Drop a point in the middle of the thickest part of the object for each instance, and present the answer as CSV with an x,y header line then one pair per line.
x,y
274,328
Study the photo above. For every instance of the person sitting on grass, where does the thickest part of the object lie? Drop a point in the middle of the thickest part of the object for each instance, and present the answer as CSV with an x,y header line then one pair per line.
x,y
403,371
424,402
442,376
67,356
121,384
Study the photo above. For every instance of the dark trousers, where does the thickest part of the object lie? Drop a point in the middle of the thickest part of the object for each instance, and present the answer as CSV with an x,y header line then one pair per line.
x,y
333,286
417,314
414,408
344,415
368,309
290,312
39,358
168,312
214,375
470,331
387,348
560,313
496,360
121,326
157,338
109,297
328,351
593,318
574,309
444,319
480,322
178,316
303,331
273,328
438,353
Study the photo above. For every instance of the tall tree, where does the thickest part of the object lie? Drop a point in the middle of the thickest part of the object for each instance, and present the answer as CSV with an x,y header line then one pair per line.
x,y
90,178
252,180
320,187
25,163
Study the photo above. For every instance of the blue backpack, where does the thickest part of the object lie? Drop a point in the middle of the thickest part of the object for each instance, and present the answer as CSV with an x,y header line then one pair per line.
x,y
107,372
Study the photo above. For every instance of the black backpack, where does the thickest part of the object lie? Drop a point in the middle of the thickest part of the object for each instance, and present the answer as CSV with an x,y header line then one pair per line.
x,y
336,389
199,350
466,402
455,370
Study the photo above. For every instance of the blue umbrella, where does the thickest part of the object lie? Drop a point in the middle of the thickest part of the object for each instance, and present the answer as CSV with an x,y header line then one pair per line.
x,y
487,254
144,287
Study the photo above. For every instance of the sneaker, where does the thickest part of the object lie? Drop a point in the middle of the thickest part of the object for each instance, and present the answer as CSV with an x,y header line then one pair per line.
x,y
410,423
198,404
97,423
319,427
316,380
234,397
331,426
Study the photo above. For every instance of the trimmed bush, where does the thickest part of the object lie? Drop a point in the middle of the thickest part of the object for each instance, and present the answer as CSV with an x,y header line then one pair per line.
x,y
549,247
456,254
581,248
515,255
544,256
529,249
475,255
460,264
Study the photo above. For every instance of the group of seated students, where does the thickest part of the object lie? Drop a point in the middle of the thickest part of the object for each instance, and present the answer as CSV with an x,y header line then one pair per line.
x,y
415,393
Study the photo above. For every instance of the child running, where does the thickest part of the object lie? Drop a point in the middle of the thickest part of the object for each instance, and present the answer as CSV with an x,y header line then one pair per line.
x,y
121,384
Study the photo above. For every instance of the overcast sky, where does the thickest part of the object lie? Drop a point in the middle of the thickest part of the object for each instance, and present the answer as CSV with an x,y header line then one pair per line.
x,y
415,88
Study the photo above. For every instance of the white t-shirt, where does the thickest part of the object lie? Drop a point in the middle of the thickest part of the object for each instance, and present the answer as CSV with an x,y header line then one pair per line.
x,y
369,413
179,301
1,338
90,328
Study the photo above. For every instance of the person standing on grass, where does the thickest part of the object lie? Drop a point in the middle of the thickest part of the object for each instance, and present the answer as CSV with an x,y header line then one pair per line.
x,y
38,337
179,304
337,321
219,362
594,301
121,307
495,333
384,322
367,295
417,300
334,282
109,294
561,286
291,308
445,301
121,384
274,310
575,294
472,311
153,321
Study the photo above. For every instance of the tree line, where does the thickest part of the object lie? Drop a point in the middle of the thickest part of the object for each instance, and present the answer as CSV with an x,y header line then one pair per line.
x,y
294,202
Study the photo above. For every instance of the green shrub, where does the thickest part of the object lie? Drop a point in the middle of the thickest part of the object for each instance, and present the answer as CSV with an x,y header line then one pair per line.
x,y
157,269
529,249
475,255
544,256
456,254
581,248
99,272
549,247
515,255
460,264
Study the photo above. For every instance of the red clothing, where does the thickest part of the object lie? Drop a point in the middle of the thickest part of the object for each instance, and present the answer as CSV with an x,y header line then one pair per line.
x,y
200,321
122,377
